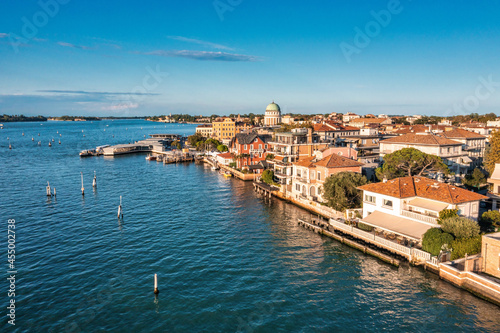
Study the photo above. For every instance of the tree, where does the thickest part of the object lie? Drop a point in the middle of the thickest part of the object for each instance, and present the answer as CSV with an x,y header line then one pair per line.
x,y
410,162
490,219
492,155
268,177
469,246
194,139
212,144
340,190
476,179
446,214
434,239
270,156
460,227
222,148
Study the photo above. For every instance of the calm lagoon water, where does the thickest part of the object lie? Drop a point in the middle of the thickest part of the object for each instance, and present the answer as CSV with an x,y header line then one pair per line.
x,y
225,260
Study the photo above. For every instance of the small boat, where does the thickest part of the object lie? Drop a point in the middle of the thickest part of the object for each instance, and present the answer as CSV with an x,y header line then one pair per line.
x,y
59,141
38,134
39,143
23,133
52,139
85,153
10,146
150,158
159,158
32,139
50,144
227,174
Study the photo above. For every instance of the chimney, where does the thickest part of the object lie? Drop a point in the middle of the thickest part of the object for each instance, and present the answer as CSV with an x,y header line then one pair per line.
x,y
309,135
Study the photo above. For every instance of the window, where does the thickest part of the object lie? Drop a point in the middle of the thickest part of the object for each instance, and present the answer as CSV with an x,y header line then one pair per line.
x,y
246,147
260,146
370,198
265,146
474,207
388,203
319,175
313,174
297,187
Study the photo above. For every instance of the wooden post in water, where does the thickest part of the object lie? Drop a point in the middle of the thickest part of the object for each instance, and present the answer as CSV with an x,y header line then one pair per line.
x,y
48,190
156,291
120,212
94,181
54,192
83,189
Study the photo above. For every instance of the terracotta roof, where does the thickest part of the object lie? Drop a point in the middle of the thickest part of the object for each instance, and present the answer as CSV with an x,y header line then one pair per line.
x,y
406,187
421,139
337,161
225,155
461,133
322,128
330,161
305,162
369,120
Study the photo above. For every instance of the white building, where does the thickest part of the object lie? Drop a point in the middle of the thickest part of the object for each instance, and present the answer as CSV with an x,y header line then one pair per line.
x,y
272,116
450,151
349,116
409,206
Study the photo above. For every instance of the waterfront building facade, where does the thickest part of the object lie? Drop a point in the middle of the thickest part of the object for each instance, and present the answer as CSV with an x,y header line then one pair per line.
x,y
249,149
362,122
490,251
272,115
224,129
349,116
409,206
310,173
205,130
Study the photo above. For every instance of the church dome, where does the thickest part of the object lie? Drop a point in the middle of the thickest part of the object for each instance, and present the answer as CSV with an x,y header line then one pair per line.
x,y
273,107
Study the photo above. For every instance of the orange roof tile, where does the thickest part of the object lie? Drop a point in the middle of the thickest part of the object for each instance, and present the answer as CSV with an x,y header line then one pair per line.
x,y
421,139
337,161
459,133
225,155
406,187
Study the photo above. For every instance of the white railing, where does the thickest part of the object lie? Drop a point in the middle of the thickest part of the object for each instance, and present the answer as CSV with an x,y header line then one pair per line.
x,y
421,254
420,217
406,251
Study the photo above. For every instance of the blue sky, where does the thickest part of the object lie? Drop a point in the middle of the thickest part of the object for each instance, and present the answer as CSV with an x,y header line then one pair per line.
x,y
236,56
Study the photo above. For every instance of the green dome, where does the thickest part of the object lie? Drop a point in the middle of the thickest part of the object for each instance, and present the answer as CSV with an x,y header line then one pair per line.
x,y
273,107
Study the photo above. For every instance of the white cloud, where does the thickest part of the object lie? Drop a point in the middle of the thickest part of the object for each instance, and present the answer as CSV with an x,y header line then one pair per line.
x,y
121,106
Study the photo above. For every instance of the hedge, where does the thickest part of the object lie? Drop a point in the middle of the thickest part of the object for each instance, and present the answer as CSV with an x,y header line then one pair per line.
x,y
434,239
465,246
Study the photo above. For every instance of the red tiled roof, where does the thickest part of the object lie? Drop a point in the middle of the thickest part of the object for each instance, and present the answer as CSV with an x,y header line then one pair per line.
x,y
330,161
421,139
461,133
225,155
322,128
337,161
369,120
406,187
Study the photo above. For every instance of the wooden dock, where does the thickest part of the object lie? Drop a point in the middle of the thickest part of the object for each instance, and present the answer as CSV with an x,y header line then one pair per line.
x,y
323,228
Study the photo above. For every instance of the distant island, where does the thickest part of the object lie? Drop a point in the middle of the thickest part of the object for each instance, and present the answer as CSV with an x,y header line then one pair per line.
x,y
75,118
8,119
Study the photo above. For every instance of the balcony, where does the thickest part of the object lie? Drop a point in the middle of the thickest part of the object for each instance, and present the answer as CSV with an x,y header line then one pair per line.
x,y
420,217
302,180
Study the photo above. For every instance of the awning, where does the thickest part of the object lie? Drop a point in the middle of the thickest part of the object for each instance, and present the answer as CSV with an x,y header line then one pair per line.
x,y
466,159
396,224
428,204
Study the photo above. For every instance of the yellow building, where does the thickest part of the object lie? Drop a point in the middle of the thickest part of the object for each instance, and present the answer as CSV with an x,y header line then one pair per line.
x,y
223,129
